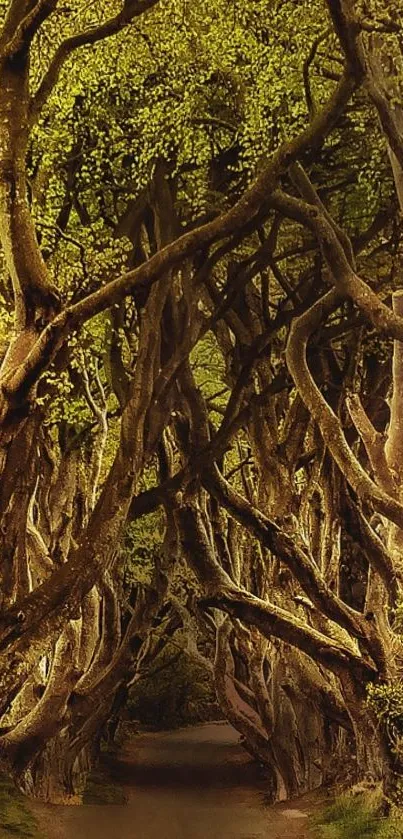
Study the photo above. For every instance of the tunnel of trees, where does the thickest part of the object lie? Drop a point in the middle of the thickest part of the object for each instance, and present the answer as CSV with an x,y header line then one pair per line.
x,y
201,397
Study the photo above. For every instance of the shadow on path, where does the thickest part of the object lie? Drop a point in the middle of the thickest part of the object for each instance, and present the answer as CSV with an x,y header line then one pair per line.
x,y
196,783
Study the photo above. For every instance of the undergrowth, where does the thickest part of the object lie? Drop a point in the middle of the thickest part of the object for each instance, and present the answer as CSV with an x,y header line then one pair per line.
x,y
15,818
101,790
354,818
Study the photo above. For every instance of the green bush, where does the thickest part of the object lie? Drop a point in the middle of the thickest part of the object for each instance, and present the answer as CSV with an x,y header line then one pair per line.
x,y
387,702
354,818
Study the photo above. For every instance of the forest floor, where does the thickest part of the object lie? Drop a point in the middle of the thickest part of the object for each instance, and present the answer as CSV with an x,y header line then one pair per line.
x,y
192,783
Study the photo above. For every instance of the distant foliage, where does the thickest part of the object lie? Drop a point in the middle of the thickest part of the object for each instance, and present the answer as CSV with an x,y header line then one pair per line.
x,y
176,691
142,541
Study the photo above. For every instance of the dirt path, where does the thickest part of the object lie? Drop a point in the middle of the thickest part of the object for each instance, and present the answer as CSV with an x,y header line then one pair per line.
x,y
189,784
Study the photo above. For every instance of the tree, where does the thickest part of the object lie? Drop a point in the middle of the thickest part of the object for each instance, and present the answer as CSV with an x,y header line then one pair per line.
x,y
195,229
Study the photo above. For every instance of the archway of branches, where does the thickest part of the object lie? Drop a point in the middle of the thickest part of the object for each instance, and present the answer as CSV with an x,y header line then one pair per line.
x,y
201,433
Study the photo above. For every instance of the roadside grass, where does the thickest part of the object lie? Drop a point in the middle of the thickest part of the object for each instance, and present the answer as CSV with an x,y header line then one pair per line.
x,y
100,789
352,817
16,820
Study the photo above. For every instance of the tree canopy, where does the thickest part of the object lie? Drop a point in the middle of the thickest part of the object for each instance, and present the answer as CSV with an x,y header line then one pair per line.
x,y
201,327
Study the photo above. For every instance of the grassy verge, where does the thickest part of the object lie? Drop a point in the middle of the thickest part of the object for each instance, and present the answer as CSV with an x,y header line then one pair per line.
x,y
352,817
101,790
16,820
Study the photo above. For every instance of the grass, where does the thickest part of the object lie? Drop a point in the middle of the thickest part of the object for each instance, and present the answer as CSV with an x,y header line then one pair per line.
x,y
100,790
355,818
16,820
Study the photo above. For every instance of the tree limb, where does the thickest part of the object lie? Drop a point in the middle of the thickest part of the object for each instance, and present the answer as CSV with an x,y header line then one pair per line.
x,y
21,25
19,380
374,442
222,593
288,551
329,424
345,279
273,621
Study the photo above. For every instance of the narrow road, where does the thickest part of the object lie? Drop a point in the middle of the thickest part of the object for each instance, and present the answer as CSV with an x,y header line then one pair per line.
x,y
196,783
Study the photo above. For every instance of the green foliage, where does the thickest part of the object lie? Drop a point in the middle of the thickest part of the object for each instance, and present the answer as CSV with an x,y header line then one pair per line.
x,y
398,617
142,540
213,113
15,818
355,818
209,372
387,702
62,402
176,691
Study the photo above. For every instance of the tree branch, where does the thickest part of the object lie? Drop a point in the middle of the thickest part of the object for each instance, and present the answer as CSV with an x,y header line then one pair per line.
x,y
348,30
272,621
21,25
22,378
345,280
377,555
222,593
285,548
306,68
374,442
329,424
365,68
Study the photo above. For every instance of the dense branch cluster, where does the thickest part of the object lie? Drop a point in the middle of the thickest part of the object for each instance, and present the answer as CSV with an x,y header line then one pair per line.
x,y
210,331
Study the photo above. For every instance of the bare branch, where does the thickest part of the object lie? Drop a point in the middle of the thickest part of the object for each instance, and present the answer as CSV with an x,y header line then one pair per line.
x,y
376,553
346,281
348,30
101,414
374,442
290,552
329,424
308,192
222,593
237,709
394,443
272,621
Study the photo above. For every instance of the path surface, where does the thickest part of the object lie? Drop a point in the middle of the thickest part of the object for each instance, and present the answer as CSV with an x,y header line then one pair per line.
x,y
196,783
